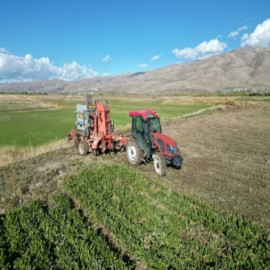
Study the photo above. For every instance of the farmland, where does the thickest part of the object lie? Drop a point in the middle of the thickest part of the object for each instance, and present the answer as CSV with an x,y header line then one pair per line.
x,y
60,210
34,120
115,217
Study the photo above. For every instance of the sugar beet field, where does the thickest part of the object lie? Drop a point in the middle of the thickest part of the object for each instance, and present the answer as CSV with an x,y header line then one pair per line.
x,y
59,210
115,218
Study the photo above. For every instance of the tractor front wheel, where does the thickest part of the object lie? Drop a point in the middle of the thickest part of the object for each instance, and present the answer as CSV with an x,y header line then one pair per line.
x,y
159,164
134,152
83,148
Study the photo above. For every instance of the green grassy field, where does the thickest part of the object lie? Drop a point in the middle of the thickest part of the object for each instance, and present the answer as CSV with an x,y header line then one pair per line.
x,y
44,119
34,119
121,108
37,119
34,127
114,218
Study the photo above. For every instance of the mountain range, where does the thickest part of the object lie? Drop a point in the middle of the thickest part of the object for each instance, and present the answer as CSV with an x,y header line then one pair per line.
x,y
242,68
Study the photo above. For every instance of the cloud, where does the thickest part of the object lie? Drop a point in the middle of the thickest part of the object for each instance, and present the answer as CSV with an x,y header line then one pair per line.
x,y
234,34
15,68
106,58
203,50
242,28
3,50
156,57
260,38
75,71
142,65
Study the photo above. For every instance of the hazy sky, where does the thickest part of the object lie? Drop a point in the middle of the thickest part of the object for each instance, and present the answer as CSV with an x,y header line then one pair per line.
x,y
79,39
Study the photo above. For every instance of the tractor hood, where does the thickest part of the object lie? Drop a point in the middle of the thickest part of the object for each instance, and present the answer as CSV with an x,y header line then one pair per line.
x,y
167,146
164,138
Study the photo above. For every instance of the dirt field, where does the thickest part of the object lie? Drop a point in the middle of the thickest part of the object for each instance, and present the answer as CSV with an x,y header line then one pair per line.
x,y
227,160
226,163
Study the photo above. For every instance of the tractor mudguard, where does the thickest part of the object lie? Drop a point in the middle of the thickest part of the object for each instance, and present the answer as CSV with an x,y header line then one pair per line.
x,y
142,144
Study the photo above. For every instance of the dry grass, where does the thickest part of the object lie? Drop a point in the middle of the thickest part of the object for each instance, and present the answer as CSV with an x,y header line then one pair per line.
x,y
17,102
11,102
211,100
211,109
12,154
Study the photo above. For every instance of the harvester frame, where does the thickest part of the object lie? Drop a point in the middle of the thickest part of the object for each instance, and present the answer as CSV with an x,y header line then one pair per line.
x,y
95,129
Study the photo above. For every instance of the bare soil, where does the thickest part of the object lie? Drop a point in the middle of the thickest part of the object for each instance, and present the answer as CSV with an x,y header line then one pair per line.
x,y
226,163
227,160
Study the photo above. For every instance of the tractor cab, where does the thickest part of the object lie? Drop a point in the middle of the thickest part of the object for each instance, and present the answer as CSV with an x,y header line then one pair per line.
x,y
144,124
148,142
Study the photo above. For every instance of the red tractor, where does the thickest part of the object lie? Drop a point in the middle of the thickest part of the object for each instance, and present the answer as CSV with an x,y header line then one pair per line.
x,y
95,130
147,142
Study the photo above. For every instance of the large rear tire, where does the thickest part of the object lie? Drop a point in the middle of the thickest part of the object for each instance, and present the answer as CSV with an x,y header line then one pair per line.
x,y
83,148
134,152
159,164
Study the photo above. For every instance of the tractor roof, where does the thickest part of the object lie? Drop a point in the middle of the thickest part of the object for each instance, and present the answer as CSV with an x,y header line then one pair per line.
x,y
145,114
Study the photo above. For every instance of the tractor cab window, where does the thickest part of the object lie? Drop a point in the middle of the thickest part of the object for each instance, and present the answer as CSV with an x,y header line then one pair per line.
x,y
154,125
139,125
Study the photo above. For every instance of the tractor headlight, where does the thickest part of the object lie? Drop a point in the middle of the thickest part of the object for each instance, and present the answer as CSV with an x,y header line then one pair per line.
x,y
171,149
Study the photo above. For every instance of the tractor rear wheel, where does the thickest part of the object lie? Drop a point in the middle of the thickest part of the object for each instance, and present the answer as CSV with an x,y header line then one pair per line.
x,y
159,164
134,152
83,148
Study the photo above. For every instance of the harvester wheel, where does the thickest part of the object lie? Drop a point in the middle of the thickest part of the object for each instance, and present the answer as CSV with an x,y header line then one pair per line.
x,y
95,152
83,148
76,142
159,164
134,152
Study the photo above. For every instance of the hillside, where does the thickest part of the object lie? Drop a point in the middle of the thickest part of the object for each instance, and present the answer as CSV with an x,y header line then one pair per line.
x,y
241,68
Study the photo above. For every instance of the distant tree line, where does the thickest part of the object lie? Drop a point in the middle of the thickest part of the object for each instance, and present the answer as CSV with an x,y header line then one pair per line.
x,y
22,93
245,92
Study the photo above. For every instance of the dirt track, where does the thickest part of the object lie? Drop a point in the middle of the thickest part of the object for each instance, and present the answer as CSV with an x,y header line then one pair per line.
x,y
227,163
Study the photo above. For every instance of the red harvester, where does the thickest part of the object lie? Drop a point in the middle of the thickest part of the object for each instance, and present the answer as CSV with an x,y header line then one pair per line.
x,y
95,130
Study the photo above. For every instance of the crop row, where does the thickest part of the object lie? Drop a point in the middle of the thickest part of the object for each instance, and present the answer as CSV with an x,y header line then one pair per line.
x,y
162,229
236,230
59,237
123,220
